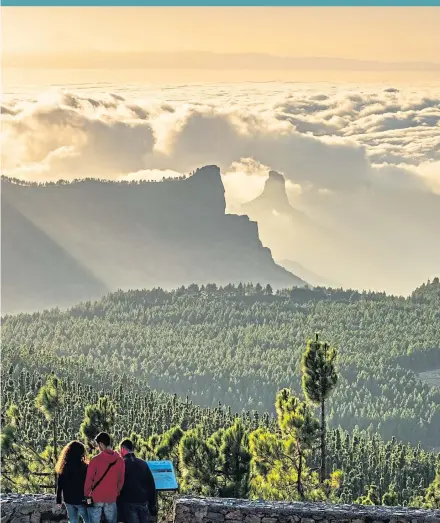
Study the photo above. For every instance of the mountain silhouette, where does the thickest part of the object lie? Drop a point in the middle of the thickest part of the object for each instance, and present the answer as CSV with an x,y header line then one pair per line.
x,y
65,242
292,235
273,199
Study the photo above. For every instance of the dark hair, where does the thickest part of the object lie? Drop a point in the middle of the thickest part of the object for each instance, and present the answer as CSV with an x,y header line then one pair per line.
x,y
73,455
103,438
127,444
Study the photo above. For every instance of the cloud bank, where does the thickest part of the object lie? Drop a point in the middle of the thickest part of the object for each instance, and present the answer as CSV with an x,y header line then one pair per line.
x,y
365,161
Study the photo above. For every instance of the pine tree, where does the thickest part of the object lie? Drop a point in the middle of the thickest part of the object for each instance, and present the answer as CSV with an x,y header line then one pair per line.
x,y
49,400
168,446
319,378
371,497
280,462
98,418
234,458
390,498
198,464
296,420
432,496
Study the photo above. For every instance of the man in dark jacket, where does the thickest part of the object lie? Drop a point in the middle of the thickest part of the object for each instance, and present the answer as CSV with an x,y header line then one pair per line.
x,y
137,500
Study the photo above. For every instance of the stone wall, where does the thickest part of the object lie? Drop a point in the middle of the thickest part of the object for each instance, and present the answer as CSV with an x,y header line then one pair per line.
x,y
19,508
212,510
22,508
42,509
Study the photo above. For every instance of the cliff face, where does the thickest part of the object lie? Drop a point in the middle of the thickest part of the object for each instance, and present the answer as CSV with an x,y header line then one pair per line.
x,y
68,242
289,232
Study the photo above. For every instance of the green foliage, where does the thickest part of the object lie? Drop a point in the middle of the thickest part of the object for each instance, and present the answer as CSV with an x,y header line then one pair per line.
x,y
234,461
167,446
98,418
280,463
390,498
198,458
431,498
20,460
211,454
219,465
49,400
241,347
371,497
319,378
50,397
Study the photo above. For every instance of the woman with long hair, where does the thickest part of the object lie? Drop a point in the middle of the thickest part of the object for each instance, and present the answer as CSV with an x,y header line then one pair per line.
x,y
71,470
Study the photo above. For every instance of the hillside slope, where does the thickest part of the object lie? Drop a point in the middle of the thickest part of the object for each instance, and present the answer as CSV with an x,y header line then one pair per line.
x,y
63,243
240,345
312,278
363,458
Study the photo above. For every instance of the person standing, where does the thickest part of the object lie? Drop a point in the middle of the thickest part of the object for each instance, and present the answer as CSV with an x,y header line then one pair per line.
x,y
71,470
104,481
137,501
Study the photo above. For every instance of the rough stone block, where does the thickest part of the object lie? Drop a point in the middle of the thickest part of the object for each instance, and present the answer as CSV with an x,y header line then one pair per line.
x,y
252,519
215,516
234,515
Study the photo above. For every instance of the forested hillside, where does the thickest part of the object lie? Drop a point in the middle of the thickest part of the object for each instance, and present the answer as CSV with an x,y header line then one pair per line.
x,y
241,344
362,467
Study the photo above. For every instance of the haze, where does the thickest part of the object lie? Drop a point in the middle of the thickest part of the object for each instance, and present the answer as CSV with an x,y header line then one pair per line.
x,y
344,102
117,37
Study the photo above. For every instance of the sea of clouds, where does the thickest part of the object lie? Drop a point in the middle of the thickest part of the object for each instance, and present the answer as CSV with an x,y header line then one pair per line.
x,y
362,159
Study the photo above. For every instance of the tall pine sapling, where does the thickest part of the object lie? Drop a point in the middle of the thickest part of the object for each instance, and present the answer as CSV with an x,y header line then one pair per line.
x,y
296,420
319,378
49,399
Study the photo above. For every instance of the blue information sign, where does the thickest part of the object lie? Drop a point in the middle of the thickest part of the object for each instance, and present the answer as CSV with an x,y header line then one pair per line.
x,y
163,474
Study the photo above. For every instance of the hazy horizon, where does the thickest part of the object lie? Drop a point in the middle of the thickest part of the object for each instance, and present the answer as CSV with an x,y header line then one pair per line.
x,y
258,38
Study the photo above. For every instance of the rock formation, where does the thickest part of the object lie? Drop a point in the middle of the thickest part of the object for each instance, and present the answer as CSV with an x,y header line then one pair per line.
x,y
62,243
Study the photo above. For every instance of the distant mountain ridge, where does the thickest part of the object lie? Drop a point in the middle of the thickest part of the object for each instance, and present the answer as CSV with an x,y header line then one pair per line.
x,y
302,272
210,60
67,242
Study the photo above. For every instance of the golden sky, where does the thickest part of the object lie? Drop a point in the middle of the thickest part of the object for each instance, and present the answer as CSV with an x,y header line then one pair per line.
x,y
393,34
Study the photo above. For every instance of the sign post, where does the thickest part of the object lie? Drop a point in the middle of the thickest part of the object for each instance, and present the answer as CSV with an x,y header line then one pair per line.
x,y
164,475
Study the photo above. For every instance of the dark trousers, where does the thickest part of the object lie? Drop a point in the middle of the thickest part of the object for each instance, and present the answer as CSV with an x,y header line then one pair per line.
x,y
134,513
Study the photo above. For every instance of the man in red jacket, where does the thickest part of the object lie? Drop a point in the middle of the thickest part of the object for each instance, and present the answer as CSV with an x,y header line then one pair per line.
x,y
104,481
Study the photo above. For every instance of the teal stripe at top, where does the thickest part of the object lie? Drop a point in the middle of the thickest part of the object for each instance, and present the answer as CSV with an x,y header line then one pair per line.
x,y
266,3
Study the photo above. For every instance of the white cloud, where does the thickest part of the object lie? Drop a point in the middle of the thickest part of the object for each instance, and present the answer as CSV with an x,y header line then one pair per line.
x,y
73,137
363,161
430,173
302,129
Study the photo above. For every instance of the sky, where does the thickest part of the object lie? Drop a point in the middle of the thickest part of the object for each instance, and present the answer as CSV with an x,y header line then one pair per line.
x,y
398,34
66,45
